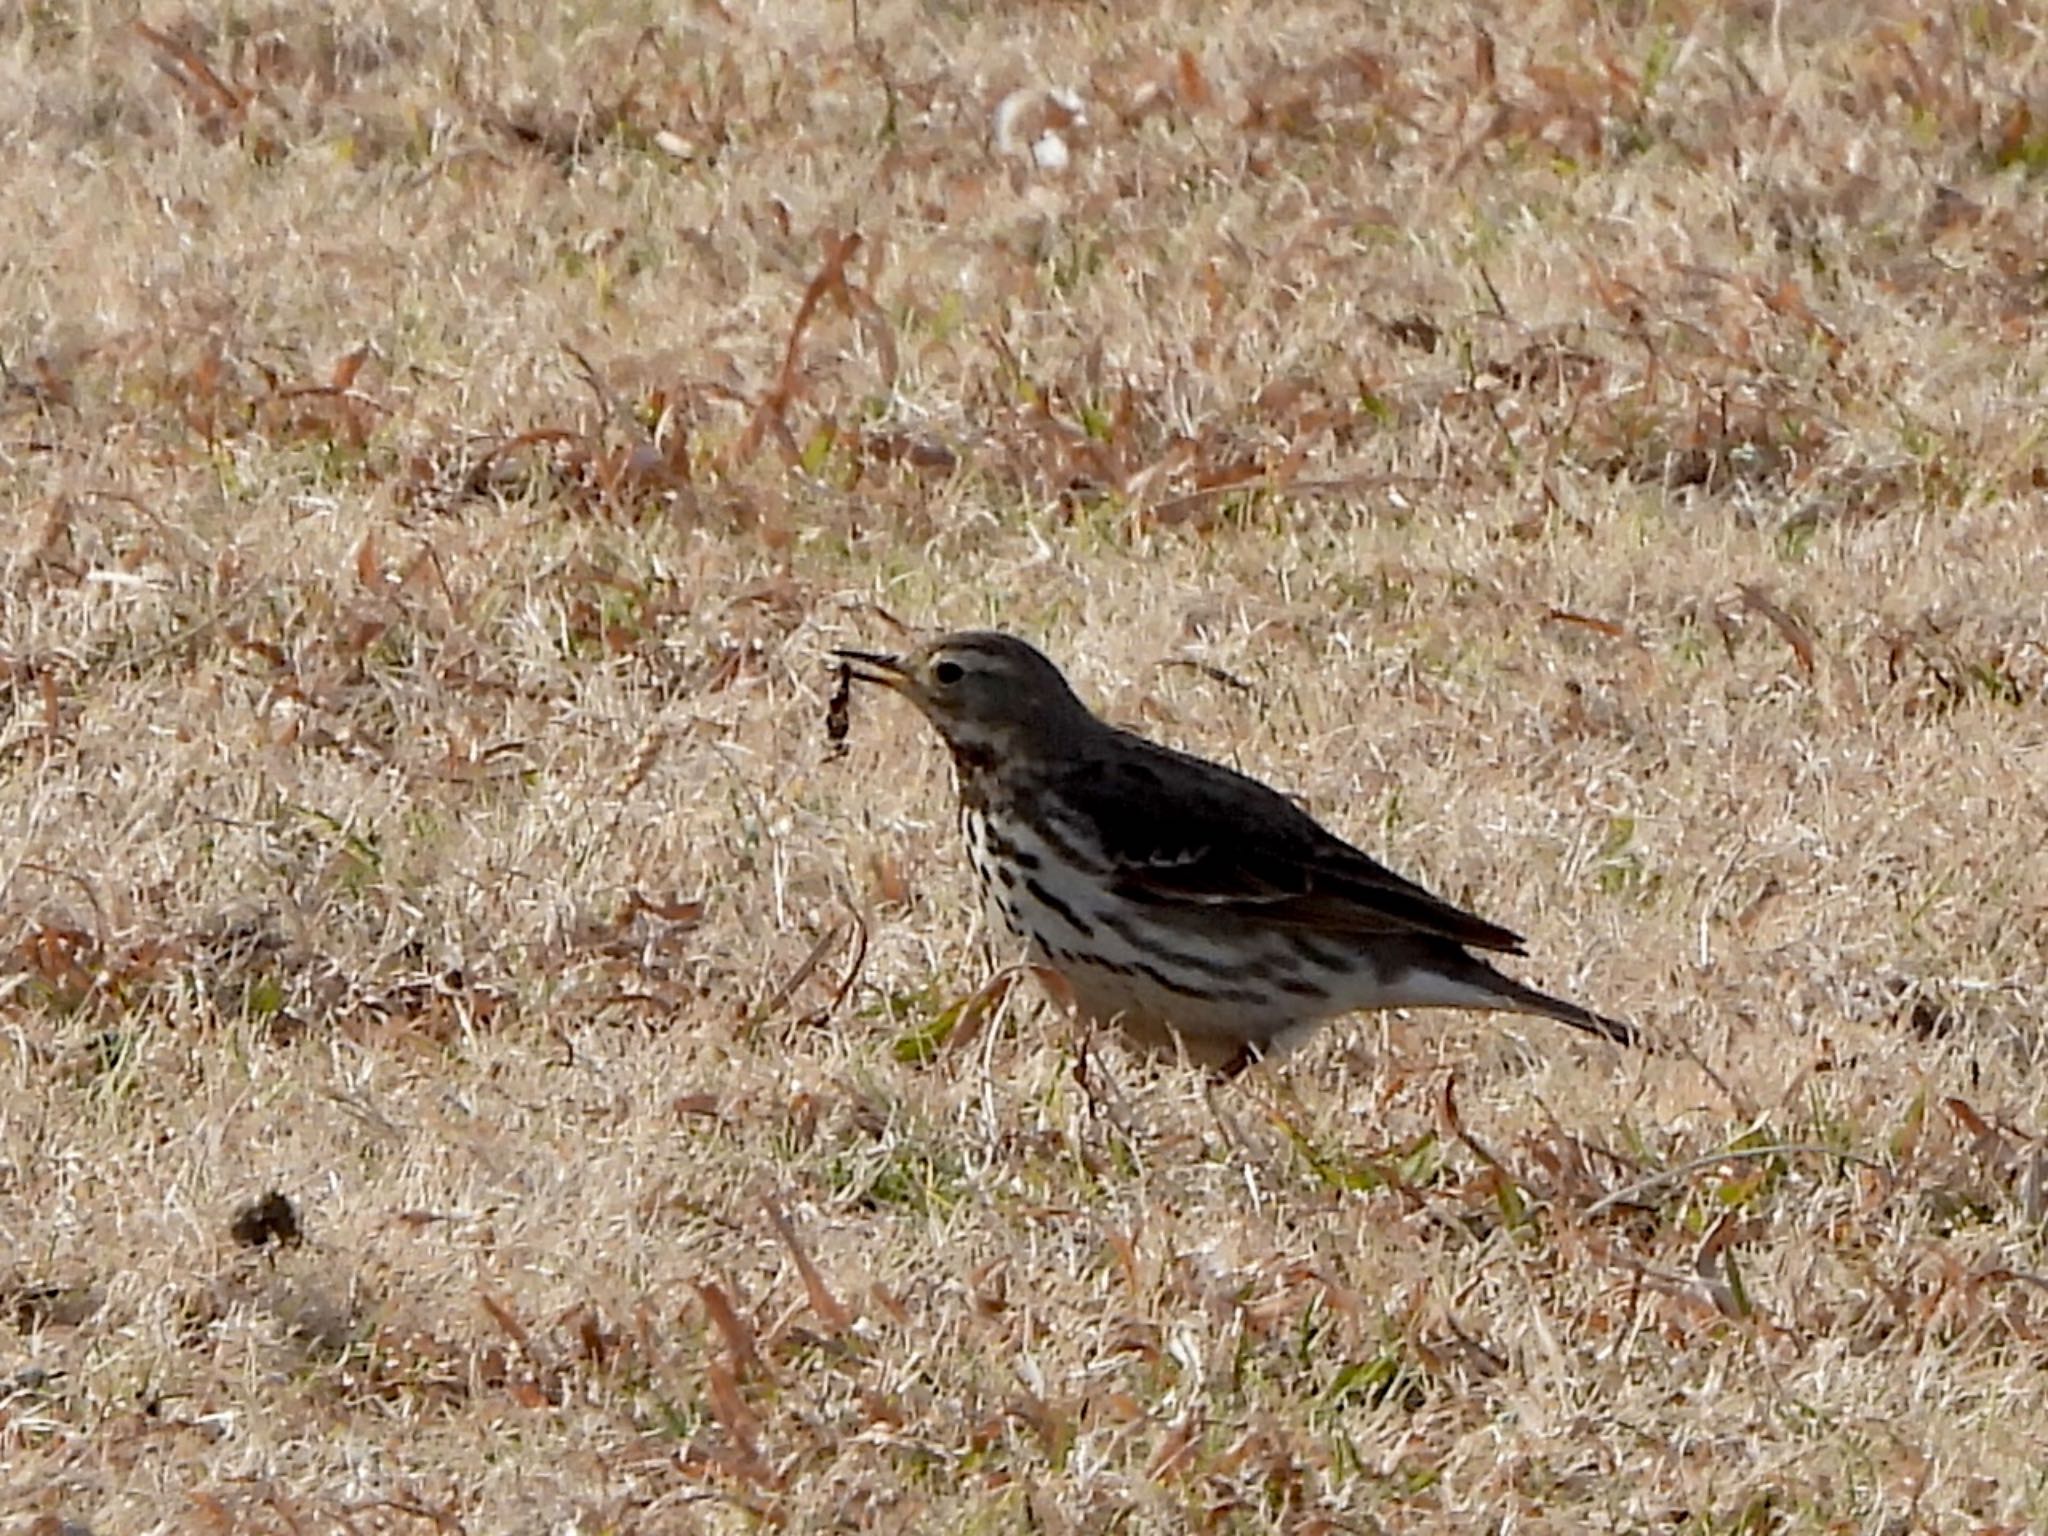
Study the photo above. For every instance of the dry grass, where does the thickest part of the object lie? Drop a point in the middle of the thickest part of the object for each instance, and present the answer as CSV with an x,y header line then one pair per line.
x,y
1606,443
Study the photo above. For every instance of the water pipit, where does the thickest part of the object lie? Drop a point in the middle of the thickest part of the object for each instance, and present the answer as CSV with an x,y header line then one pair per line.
x,y
1192,907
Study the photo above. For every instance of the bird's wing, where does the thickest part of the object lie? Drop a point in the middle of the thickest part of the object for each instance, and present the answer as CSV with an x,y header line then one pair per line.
x,y
1176,829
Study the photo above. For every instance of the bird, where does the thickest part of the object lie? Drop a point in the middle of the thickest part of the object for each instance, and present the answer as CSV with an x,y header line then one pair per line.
x,y
1192,907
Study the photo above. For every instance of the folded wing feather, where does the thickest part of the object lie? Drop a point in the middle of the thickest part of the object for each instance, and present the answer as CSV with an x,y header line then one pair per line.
x,y
1181,830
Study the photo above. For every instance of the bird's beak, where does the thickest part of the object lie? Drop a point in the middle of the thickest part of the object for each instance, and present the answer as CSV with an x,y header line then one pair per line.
x,y
873,667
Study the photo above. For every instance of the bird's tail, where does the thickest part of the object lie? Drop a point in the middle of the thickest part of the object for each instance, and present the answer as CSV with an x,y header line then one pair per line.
x,y
1521,999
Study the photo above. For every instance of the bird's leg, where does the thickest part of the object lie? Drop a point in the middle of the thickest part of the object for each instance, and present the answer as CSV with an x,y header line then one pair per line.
x,y
1239,1062
1105,1098
1225,1120
1084,1069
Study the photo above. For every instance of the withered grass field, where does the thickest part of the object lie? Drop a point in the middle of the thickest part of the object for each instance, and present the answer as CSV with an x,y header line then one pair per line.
x,y
1594,454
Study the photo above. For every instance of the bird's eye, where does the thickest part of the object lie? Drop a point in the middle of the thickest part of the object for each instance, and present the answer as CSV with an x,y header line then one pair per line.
x,y
948,672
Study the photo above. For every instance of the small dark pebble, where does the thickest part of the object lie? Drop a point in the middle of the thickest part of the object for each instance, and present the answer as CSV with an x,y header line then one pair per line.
x,y
261,1221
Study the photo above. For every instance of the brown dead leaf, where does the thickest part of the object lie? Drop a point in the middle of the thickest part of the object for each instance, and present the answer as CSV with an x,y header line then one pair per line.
x,y
1584,621
830,1310
732,1328
1794,630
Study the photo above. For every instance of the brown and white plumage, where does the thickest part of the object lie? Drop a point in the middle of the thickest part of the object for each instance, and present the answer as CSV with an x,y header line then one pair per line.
x,y
1192,906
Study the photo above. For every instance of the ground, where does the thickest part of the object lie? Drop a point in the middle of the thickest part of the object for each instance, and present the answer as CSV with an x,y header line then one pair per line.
x,y
475,1057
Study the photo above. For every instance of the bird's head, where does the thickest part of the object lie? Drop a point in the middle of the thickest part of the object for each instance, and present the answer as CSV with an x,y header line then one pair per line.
x,y
988,694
